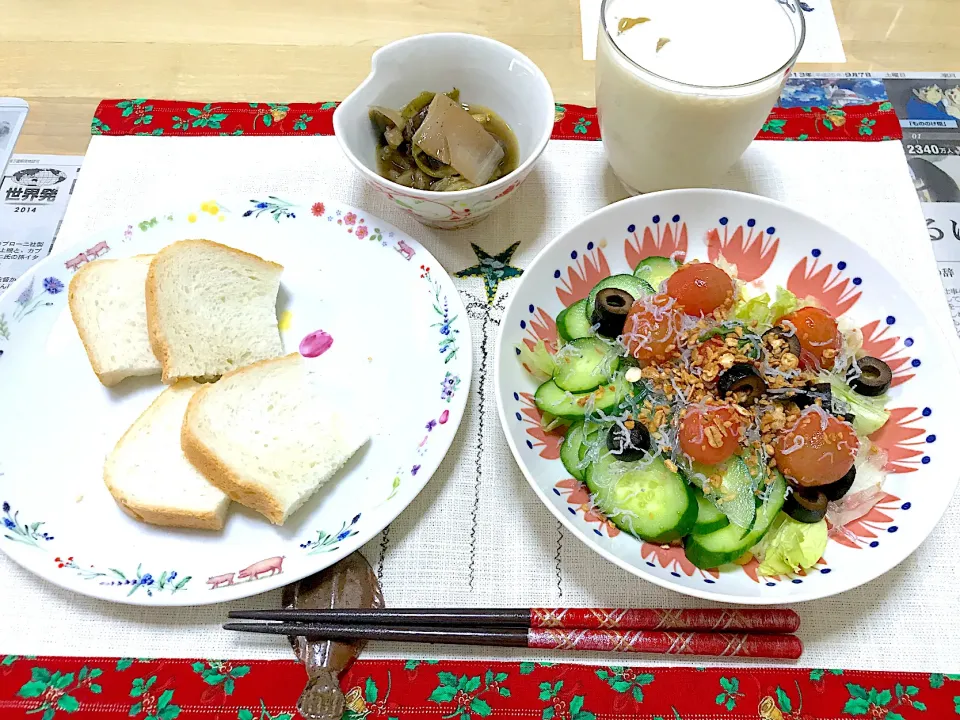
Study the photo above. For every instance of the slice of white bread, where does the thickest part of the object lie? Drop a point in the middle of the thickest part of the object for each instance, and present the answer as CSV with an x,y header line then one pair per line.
x,y
149,476
270,434
211,309
110,311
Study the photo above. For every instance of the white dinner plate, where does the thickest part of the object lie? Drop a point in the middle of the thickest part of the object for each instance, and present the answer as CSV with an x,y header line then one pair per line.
x,y
771,244
381,296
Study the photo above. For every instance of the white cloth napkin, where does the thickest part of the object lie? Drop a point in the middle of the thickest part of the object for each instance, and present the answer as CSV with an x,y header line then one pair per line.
x,y
907,620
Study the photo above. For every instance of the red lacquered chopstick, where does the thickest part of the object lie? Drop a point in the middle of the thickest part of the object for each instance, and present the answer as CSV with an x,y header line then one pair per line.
x,y
703,620
770,646
694,620
766,645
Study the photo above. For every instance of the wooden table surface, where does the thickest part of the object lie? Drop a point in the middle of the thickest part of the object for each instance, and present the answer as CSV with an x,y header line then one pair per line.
x,y
63,56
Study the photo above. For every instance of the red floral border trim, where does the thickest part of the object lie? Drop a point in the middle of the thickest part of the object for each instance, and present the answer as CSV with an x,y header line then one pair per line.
x,y
166,118
54,688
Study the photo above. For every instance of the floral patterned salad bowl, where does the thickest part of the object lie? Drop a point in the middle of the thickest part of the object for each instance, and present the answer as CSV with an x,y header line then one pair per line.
x,y
771,245
404,324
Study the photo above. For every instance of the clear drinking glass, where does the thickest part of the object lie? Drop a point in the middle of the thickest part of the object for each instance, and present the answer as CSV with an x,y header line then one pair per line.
x,y
685,126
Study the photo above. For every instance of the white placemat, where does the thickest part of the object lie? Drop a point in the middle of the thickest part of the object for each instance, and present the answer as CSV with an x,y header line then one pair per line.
x,y
477,535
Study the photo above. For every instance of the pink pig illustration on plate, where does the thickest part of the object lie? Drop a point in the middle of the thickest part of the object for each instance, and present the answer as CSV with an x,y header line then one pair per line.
x,y
263,568
220,580
273,566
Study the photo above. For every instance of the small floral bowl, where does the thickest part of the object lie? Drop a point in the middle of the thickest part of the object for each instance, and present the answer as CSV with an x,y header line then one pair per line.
x,y
488,73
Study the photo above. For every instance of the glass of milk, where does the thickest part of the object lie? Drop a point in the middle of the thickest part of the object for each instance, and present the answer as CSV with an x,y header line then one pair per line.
x,y
683,86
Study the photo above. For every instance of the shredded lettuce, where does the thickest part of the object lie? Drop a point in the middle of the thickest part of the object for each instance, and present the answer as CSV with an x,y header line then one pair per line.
x,y
762,311
869,412
538,362
790,546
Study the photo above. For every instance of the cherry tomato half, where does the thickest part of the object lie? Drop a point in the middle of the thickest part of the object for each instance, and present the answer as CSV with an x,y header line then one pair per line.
x,y
700,288
818,450
652,329
818,335
709,435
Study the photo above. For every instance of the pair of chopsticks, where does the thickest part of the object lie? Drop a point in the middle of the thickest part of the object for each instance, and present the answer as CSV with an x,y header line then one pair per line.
x,y
709,632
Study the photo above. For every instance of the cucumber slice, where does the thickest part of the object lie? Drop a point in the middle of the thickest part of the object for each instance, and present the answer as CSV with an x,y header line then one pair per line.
x,y
575,324
584,364
643,498
594,438
635,286
571,448
710,550
561,330
709,518
734,497
563,403
654,270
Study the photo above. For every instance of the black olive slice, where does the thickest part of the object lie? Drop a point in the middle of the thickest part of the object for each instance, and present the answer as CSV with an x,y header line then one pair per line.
x,y
874,379
808,396
836,490
741,382
791,343
636,448
610,311
806,505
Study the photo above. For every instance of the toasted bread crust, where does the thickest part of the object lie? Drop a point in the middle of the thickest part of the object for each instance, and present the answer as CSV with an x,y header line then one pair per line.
x,y
158,515
158,340
217,472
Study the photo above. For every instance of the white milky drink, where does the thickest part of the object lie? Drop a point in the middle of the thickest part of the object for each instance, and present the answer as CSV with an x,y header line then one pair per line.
x,y
683,86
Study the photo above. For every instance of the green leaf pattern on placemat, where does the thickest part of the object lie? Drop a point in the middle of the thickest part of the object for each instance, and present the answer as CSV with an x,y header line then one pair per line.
x,y
56,691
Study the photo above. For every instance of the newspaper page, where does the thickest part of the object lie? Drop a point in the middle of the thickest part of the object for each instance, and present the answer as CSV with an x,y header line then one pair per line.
x,y
928,105
34,192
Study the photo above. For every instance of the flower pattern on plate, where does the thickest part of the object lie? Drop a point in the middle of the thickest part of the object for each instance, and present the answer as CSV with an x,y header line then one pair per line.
x,y
580,501
550,442
668,241
747,249
879,344
835,293
540,327
586,271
